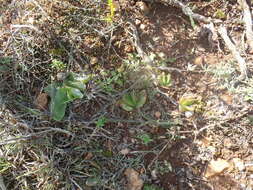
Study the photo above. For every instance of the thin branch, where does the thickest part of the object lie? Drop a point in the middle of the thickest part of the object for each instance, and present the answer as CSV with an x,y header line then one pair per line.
x,y
25,26
32,135
232,48
187,11
247,18
157,156
2,186
137,44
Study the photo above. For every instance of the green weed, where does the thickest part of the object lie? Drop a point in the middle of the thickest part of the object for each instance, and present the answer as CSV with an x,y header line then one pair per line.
x,y
4,165
111,80
151,187
101,122
165,79
189,104
58,65
133,100
111,6
250,118
220,14
61,94
145,138
5,64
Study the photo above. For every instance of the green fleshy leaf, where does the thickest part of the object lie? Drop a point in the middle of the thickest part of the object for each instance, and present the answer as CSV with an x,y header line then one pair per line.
x,y
4,68
151,187
70,77
126,107
128,99
59,104
93,181
133,100
74,93
141,99
187,104
165,80
76,84
51,90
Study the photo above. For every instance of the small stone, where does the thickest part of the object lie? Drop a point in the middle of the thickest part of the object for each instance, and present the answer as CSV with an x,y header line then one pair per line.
x,y
143,7
137,22
215,167
134,181
93,60
158,114
143,26
188,114
227,142
128,48
41,101
61,76
239,164
125,151
154,175
199,61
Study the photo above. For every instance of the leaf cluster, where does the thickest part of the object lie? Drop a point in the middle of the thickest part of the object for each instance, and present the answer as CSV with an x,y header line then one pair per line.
x,y
61,94
133,100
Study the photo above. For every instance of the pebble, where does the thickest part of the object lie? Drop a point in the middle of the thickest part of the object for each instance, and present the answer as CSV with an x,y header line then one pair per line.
x,y
125,151
61,76
250,167
93,60
128,48
158,114
143,7
188,114
162,55
227,142
137,22
239,164
143,26
154,174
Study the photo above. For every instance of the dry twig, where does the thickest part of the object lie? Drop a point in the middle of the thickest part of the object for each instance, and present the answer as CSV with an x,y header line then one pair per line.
x,y
247,18
187,11
2,186
137,44
232,48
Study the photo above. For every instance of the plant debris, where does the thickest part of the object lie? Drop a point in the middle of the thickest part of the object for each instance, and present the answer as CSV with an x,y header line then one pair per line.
x,y
134,182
